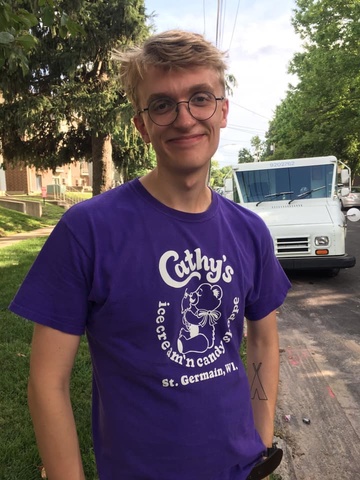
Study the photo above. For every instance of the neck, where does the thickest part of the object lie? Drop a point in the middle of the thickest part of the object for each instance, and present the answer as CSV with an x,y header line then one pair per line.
x,y
188,194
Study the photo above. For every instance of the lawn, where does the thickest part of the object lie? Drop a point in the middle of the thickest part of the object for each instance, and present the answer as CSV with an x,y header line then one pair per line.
x,y
12,221
78,195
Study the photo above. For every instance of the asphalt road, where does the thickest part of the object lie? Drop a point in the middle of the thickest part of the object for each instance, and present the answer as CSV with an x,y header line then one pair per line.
x,y
319,327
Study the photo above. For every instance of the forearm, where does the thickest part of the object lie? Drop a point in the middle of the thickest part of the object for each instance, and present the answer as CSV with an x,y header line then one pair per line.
x,y
263,375
55,432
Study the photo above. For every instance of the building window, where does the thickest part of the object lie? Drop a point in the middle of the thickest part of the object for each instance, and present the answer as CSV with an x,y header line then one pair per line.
x,y
38,182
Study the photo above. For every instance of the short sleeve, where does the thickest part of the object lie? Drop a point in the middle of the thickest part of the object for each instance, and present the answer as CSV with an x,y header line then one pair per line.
x,y
270,283
55,291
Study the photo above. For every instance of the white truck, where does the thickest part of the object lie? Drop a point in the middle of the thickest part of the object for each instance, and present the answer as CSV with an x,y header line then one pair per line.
x,y
298,200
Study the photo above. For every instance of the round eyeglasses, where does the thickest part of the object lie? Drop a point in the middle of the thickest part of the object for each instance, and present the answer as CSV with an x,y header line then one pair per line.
x,y
164,111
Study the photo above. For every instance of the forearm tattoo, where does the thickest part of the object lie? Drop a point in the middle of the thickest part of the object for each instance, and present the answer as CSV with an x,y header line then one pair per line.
x,y
257,389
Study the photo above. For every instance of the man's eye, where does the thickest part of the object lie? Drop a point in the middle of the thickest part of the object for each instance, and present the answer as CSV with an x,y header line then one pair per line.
x,y
201,99
162,105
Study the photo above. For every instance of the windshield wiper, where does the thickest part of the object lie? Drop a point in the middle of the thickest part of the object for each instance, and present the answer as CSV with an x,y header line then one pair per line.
x,y
272,195
308,192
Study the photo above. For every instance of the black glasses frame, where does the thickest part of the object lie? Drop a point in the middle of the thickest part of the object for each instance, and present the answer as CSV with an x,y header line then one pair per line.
x,y
176,109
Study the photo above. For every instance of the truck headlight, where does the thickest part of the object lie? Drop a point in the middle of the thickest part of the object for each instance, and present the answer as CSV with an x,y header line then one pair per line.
x,y
322,241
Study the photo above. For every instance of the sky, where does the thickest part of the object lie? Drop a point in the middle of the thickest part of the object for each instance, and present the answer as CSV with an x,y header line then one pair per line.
x,y
260,41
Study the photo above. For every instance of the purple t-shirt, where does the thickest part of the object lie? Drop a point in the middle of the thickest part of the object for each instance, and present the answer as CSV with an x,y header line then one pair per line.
x,y
161,296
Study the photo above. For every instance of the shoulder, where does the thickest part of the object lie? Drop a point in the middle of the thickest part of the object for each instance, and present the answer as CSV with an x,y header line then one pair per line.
x,y
111,198
239,214
105,207
246,226
95,222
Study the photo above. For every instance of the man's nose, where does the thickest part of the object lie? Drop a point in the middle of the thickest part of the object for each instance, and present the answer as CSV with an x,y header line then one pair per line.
x,y
183,114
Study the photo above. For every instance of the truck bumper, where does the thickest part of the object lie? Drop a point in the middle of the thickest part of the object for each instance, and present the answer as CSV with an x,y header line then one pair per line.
x,y
318,263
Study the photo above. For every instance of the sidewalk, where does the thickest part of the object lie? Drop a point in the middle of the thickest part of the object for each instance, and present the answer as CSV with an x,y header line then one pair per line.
x,y
17,237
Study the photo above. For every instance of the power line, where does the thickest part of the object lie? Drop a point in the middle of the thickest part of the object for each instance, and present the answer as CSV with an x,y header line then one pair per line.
x,y
220,26
244,129
204,15
234,142
247,109
235,21
223,23
218,23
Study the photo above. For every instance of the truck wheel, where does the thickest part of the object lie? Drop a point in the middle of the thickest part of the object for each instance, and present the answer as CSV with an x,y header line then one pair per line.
x,y
332,272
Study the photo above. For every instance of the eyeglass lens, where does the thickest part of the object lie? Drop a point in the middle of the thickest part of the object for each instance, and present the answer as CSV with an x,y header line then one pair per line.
x,y
164,111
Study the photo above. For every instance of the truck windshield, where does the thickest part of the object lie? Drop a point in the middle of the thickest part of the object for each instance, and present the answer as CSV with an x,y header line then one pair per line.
x,y
286,183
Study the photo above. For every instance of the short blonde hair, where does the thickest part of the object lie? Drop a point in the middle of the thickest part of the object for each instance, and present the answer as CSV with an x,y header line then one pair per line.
x,y
170,50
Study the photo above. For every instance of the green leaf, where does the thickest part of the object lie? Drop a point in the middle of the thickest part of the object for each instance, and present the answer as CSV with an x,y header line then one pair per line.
x,y
27,41
63,32
64,19
6,11
48,17
74,28
28,19
23,63
6,38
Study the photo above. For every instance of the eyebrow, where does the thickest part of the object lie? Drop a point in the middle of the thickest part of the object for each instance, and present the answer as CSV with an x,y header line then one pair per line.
x,y
201,87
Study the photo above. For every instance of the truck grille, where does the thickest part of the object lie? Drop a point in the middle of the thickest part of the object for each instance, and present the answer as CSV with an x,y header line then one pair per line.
x,y
292,245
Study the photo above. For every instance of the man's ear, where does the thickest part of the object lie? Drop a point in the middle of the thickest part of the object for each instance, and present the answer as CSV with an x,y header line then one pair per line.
x,y
141,128
224,112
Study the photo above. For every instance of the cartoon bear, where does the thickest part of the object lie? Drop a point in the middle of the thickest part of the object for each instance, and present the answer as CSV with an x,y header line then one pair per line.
x,y
199,316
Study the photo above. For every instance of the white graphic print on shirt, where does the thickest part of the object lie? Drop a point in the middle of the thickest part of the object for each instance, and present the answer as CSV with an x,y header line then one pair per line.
x,y
197,344
199,316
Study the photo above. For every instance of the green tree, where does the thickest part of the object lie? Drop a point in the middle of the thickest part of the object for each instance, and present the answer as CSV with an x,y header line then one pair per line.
x,y
16,39
217,175
127,157
319,115
68,106
259,148
245,156
230,83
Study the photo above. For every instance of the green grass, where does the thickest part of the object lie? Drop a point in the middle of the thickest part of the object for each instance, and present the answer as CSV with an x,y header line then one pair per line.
x,y
12,221
79,195
18,452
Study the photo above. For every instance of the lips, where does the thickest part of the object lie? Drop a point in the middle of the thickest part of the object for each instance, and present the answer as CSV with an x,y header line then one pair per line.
x,y
186,139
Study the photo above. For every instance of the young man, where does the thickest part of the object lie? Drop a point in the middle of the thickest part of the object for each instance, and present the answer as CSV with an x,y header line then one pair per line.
x,y
159,273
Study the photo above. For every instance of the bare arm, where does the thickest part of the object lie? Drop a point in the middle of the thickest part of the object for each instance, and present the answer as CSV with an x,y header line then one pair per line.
x,y
52,358
263,373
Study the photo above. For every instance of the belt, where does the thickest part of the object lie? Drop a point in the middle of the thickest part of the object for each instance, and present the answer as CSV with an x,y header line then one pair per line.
x,y
268,464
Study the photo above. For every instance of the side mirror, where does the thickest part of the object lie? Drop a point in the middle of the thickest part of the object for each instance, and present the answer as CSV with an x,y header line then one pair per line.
x,y
344,191
353,214
345,177
228,185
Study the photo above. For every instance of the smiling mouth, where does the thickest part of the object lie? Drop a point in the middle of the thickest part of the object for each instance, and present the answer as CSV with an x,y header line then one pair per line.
x,y
186,139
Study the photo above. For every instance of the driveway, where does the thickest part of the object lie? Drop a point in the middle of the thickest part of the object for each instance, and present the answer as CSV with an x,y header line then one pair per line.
x,y
319,327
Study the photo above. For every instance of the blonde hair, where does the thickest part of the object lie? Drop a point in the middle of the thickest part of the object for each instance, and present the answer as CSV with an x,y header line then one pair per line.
x,y
170,50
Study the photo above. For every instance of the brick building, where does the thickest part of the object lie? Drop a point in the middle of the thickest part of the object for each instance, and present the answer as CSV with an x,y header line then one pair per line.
x,y
28,180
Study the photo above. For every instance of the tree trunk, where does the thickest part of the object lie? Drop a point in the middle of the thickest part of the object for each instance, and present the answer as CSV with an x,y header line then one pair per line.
x,y
102,163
